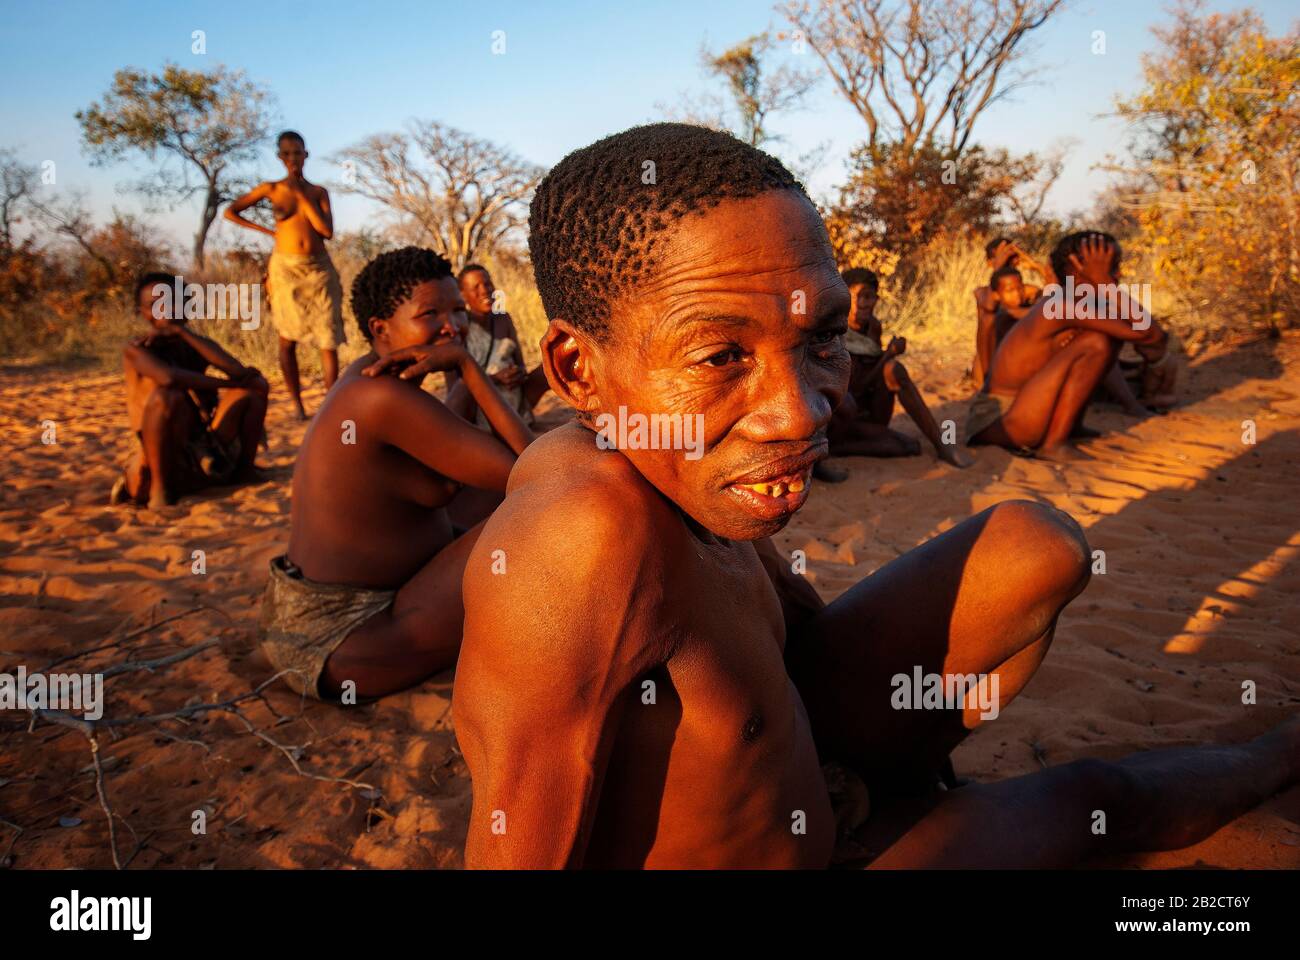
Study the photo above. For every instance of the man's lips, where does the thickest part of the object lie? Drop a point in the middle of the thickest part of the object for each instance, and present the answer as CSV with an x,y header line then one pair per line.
x,y
784,467
778,489
775,498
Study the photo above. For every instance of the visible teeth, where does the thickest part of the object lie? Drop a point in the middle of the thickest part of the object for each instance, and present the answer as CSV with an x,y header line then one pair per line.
x,y
759,488
796,486
778,489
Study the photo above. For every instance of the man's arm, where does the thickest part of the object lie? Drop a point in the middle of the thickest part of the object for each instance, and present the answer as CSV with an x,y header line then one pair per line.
x,y
259,193
432,358
165,375
404,416
216,355
553,648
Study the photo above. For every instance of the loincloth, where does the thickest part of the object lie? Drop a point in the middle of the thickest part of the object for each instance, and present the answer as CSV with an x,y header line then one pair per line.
x,y
985,410
861,345
306,299
303,622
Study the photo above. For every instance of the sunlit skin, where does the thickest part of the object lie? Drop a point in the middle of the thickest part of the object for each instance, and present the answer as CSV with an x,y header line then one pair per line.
x,y
372,513
988,331
636,566
1052,365
647,683
303,222
164,414
861,424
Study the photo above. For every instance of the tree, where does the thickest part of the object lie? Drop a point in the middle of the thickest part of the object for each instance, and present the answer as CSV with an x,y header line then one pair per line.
x,y
756,92
17,182
923,71
464,195
211,122
905,200
1214,186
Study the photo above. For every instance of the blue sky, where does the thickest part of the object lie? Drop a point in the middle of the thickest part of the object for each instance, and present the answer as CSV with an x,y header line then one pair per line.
x,y
572,72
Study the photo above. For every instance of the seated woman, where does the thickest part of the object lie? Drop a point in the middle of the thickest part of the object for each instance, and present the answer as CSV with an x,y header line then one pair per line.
x,y
366,600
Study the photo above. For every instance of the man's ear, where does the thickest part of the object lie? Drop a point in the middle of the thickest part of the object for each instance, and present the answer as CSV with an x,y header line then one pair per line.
x,y
567,359
378,328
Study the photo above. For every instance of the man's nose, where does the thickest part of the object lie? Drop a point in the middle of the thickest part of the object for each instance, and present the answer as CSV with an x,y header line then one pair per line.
x,y
790,404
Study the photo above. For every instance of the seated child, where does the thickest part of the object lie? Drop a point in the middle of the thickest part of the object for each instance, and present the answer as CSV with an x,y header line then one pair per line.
x,y
1000,253
366,599
493,342
860,426
194,430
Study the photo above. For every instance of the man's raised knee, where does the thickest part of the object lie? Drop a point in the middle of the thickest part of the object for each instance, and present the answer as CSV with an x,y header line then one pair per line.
x,y
1052,537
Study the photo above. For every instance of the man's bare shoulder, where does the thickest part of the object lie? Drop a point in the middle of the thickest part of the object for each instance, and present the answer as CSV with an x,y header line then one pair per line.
x,y
582,549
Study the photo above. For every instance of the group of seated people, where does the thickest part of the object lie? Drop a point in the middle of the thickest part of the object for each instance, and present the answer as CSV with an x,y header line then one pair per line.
x,y
643,679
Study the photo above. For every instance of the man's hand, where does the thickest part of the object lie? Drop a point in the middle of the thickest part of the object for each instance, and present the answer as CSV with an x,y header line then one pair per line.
x,y
1092,264
510,376
412,362
986,300
897,346
1002,253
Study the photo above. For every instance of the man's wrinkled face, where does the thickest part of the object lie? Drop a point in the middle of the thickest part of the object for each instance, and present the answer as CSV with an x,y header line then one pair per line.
x,y
477,288
433,312
743,325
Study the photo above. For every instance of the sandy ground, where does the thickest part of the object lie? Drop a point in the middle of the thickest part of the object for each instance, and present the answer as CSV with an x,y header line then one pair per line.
x,y
1201,534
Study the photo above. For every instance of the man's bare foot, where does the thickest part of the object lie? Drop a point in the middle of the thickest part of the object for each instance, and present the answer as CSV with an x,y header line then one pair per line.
x,y
824,472
118,493
302,412
159,498
1061,453
954,456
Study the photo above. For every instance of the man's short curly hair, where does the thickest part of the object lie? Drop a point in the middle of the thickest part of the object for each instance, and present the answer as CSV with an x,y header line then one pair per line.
x,y
597,217
387,280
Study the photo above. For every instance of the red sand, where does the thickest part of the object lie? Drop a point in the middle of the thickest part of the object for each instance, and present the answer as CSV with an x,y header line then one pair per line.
x,y
1201,533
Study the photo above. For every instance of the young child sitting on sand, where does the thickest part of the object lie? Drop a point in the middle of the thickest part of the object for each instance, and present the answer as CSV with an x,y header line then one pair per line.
x,y
1001,252
860,426
368,591
193,430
